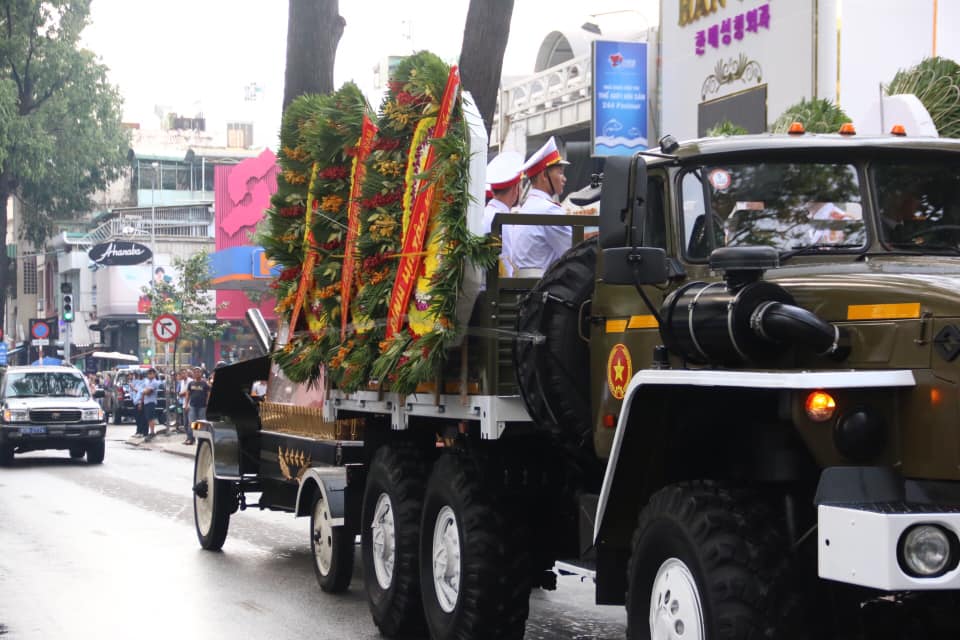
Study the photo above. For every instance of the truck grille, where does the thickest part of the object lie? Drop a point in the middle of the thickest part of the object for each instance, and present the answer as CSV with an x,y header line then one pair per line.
x,y
54,415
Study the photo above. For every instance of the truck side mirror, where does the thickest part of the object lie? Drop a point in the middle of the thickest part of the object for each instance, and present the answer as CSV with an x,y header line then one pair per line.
x,y
623,198
634,265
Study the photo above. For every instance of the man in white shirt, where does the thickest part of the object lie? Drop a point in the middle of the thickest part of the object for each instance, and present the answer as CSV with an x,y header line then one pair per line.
x,y
503,180
534,248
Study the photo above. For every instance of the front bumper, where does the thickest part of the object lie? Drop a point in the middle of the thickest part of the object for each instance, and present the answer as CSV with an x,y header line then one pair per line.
x,y
862,515
30,437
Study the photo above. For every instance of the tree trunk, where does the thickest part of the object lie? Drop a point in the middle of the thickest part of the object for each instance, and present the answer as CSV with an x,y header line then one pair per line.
x,y
314,28
481,55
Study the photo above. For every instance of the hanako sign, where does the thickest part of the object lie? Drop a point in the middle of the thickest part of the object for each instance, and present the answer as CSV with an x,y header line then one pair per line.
x,y
119,253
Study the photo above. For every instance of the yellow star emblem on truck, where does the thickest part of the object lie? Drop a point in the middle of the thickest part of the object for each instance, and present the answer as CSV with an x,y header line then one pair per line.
x,y
619,370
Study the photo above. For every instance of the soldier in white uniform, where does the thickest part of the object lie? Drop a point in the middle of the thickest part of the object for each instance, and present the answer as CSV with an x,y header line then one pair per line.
x,y
503,181
531,249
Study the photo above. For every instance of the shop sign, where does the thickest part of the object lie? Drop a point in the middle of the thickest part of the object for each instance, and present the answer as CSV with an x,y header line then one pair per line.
x,y
693,10
119,253
730,29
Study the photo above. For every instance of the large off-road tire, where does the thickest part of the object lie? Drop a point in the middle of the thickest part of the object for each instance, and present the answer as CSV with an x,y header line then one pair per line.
x,y
6,455
332,548
474,574
213,500
551,373
709,563
389,536
95,452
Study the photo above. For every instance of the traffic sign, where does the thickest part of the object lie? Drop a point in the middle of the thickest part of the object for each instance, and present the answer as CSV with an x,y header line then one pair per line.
x,y
39,329
40,342
166,328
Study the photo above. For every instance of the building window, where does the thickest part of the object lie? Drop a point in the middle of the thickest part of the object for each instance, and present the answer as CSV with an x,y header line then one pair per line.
x,y
30,275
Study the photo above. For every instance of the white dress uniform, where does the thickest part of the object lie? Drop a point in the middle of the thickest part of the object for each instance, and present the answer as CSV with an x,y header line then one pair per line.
x,y
503,172
534,248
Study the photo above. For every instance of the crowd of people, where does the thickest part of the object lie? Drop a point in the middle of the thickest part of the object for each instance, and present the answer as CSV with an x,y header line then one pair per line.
x,y
185,393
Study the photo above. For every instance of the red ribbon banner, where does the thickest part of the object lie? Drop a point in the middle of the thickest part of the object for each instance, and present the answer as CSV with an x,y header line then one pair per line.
x,y
412,256
364,147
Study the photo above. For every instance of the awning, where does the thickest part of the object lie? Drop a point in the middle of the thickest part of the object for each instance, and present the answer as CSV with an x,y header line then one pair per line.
x,y
245,268
114,355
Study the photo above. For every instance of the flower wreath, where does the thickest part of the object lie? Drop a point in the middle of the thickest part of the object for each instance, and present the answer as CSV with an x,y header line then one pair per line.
x,y
328,135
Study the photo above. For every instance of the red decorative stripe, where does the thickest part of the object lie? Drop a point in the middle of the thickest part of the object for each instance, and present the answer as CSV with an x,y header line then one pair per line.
x,y
411,256
505,185
548,160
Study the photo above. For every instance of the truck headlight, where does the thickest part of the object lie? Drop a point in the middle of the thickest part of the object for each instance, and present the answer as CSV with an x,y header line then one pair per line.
x,y
16,415
927,550
92,414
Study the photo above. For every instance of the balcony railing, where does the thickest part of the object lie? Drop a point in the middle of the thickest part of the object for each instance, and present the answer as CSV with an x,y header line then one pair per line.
x,y
558,86
194,221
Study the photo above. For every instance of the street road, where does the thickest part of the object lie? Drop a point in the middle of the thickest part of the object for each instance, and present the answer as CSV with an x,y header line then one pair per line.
x,y
110,552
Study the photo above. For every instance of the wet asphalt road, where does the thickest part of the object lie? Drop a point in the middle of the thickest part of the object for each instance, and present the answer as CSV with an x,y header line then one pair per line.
x,y
110,552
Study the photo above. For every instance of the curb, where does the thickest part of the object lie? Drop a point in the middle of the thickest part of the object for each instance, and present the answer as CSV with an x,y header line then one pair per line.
x,y
166,441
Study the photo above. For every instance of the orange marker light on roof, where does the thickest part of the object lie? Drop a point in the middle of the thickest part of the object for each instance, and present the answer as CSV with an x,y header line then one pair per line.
x,y
796,128
846,129
898,130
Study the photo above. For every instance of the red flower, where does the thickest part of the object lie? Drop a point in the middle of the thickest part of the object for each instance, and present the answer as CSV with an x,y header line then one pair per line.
x,y
290,212
382,200
334,173
388,144
290,273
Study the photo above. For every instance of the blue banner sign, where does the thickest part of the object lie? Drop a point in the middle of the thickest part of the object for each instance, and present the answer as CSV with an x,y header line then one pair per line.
x,y
3,353
619,98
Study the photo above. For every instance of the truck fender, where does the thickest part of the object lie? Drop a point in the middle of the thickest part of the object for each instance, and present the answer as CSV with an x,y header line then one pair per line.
x,y
224,445
332,487
617,507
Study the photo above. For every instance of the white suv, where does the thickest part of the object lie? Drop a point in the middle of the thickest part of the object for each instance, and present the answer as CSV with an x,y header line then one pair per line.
x,y
49,408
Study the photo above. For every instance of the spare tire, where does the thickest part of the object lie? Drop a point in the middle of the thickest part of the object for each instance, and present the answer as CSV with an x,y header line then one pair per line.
x,y
551,372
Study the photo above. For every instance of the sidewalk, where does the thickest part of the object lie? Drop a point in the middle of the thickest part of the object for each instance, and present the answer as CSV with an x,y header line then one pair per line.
x,y
167,440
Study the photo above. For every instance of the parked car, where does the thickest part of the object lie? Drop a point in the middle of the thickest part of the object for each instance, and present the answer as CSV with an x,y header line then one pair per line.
x,y
118,402
50,407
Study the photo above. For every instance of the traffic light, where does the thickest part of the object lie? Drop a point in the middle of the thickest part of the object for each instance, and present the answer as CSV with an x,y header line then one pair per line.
x,y
67,307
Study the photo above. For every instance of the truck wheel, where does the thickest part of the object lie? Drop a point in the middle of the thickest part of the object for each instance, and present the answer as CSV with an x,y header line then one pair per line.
x,y
212,500
392,502
550,374
473,583
6,455
95,452
706,564
76,452
332,548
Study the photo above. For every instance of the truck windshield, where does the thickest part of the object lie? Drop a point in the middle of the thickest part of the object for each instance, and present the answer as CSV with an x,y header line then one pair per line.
x,y
33,384
788,206
918,205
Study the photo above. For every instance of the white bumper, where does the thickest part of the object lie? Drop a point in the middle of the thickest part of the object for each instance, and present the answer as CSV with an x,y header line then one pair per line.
x,y
860,547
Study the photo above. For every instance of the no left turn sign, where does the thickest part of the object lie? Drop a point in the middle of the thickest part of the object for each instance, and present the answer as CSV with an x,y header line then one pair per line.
x,y
166,328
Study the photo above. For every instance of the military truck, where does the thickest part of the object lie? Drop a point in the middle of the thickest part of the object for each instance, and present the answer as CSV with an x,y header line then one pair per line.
x,y
738,405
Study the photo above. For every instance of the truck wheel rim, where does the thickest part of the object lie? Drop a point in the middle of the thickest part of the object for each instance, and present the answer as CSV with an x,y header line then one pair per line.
x,y
676,611
384,541
204,505
446,559
322,536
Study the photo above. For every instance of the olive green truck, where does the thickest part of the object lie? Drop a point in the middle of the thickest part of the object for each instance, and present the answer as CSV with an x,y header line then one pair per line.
x,y
736,407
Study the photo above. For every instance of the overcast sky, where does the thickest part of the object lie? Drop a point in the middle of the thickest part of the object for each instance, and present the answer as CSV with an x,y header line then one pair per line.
x,y
199,55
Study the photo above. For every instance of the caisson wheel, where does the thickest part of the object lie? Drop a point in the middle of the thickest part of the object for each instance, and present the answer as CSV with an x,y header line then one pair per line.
x,y
6,455
332,548
95,452
77,452
708,563
473,577
389,536
213,500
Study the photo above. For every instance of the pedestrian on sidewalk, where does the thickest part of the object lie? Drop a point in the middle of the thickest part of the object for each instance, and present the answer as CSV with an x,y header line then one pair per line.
x,y
199,393
151,391
136,397
184,398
